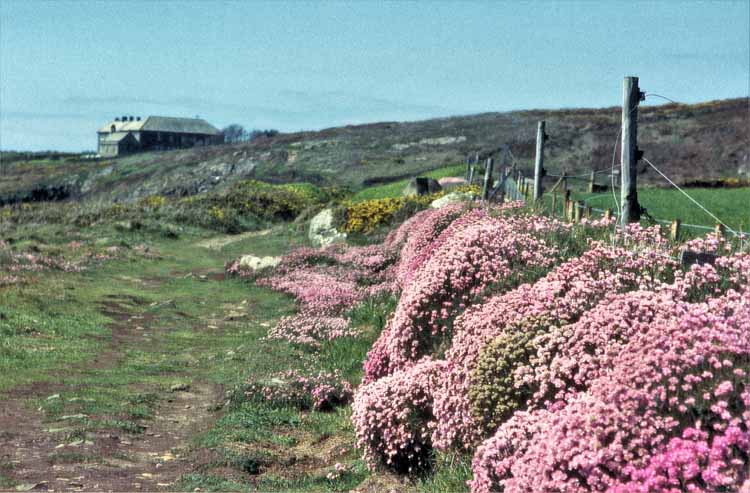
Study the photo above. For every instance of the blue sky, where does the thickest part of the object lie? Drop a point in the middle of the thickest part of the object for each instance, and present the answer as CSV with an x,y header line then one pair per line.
x,y
66,68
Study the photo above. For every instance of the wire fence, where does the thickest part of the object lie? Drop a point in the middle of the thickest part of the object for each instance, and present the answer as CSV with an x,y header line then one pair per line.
x,y
515,186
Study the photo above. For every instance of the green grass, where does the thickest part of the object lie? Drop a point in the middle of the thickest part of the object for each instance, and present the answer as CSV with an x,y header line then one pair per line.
x,y
731,205
56,322
395,188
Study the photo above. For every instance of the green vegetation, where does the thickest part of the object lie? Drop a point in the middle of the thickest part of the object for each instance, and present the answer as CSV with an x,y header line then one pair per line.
x,y
111,348
728,204
108,346
245,206
394,189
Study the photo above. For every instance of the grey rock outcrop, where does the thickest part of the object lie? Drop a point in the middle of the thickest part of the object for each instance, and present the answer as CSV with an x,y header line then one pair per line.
x,y
322,231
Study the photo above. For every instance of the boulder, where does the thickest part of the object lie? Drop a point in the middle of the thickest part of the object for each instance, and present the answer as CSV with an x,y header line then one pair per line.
x,y
451,182
451,198
253,263
421,186
322,231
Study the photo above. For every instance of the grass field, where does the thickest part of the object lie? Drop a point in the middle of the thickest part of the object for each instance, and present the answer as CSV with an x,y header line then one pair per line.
x,y
131,374
395,188
731,205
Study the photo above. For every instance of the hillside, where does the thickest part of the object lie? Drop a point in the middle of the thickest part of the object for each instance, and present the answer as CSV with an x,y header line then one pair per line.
x,y
691,143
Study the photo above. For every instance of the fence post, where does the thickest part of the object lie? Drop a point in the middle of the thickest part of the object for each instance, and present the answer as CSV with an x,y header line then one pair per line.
x,y
539,161
608,214
591,181
487,178
577,211
719,230
631,95
471,173
554,203
674,230
468,166
589,211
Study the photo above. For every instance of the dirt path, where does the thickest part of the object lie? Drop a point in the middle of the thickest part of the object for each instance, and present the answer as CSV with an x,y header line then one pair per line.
x,y
42,455
222,241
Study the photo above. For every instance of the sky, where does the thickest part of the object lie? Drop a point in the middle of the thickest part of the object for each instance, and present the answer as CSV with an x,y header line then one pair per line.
x,y
67,68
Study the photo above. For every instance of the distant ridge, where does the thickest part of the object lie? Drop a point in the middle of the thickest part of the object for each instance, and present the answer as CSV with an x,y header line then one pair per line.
x,y
691,143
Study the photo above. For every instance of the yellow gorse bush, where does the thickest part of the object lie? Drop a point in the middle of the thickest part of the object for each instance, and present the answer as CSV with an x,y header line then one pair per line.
x,y
366,216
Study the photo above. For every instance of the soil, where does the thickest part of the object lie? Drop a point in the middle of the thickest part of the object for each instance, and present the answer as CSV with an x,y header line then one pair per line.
x,y
107,460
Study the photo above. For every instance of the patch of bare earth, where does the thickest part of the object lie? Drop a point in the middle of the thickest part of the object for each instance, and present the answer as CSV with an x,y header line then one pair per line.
x,y
42,455
222,241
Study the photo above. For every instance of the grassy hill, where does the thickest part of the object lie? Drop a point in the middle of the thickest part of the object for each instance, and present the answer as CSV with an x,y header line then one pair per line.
x,y
691,143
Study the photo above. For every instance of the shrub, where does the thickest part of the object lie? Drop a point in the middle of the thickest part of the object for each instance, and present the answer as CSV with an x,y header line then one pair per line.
x,y
392,417
322,391
676,374
563,295
475,252
309,330
494,392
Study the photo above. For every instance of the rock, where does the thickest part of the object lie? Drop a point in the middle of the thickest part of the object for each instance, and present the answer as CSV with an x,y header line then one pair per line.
x,y
451,182
251,262
322,232
451,198
421,186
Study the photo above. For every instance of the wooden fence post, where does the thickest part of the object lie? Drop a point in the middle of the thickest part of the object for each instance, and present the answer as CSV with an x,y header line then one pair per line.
x,y
674,230
608,214
589,211
487,178
630,154
468,167
577,211
591,181
719,230
471,173
554,203
539,161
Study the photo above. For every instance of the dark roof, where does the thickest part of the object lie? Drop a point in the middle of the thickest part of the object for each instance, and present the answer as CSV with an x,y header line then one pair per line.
x,y
180,125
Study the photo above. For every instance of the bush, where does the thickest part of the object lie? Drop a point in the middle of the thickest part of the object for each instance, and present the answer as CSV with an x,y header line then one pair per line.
x,y
393,417
322,391
494,392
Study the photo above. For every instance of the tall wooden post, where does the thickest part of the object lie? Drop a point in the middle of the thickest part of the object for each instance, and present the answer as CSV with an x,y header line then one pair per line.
x,y
591,181
501,181
674,230
631,95
487,178
468,166
471,173
539,161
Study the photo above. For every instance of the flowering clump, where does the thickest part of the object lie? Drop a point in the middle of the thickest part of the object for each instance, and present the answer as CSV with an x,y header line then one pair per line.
x,y
311,330
674,374
692,463
322,391
562,296
475,252
392,417
339,470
